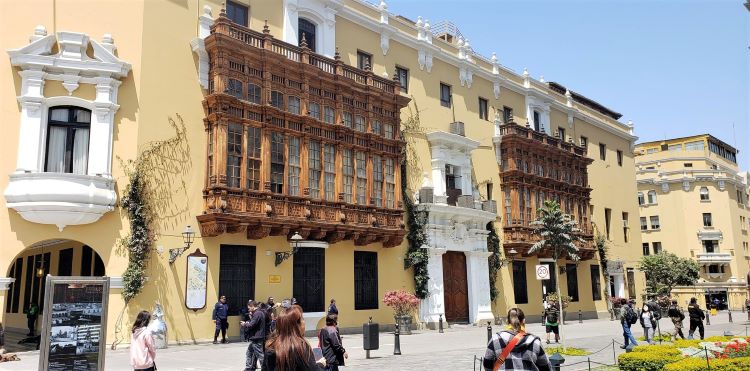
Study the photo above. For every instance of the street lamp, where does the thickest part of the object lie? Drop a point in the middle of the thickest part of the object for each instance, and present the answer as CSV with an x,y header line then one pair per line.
x,y
284,255
188,236
510,255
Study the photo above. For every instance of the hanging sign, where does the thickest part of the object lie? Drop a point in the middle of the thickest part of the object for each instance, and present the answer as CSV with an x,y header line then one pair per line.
x,y
197,276
74,323
542,271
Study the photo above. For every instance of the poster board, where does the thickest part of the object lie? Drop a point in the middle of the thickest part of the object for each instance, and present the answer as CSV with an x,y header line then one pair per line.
x,y
196,280
74,324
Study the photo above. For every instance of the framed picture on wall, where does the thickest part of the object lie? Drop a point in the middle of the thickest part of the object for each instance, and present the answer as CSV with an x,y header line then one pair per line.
x,y
196,277
74,323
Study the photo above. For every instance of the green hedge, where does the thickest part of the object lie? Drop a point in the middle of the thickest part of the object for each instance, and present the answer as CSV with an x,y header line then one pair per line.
x,y
648,359
699,364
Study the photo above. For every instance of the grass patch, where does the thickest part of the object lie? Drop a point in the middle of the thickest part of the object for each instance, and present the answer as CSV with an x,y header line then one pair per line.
x,y
663,338
569,351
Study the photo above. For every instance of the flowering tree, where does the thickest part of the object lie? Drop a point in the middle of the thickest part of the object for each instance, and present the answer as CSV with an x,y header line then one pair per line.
x,y
402,302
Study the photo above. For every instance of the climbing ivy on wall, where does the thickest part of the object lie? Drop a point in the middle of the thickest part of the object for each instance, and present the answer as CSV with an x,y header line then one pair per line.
x,y
493,246
141,236
416,218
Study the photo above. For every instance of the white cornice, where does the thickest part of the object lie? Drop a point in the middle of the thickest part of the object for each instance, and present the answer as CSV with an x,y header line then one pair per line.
x,y
536,88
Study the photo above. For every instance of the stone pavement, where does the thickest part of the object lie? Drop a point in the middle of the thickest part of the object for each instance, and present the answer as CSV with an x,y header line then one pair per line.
x,y
424,350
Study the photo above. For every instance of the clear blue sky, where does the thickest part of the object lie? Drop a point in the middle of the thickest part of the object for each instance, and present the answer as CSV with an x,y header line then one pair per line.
x,y
674,67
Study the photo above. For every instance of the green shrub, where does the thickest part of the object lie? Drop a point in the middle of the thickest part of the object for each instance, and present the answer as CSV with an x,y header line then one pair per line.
x,y
699,364
664,348
648,359
569,351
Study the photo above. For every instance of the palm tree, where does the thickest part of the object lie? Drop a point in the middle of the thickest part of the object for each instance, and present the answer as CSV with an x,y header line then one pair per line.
x,y
558,233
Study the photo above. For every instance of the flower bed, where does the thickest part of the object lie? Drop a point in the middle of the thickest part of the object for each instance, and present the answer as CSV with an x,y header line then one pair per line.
x,y
686,355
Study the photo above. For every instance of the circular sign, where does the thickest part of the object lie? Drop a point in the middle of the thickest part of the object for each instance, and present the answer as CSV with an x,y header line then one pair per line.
x,y
542,272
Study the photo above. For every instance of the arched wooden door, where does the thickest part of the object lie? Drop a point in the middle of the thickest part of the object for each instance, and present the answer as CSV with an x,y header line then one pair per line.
x,y
456,292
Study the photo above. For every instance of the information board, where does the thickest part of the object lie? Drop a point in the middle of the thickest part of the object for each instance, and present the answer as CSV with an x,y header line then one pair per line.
x,y
197,276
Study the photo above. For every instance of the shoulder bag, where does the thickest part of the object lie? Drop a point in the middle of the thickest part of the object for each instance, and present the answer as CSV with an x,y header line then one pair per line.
x,y
506,351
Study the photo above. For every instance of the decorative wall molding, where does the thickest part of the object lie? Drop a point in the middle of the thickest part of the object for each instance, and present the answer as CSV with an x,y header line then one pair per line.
x,y
320,12
5,283
61,198
198,45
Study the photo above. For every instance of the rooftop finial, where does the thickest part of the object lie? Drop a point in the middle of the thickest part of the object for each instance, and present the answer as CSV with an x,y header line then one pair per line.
x,y
39,32
223,11
266,30
541,78
337,55
419,22
303,42
207,11
525,72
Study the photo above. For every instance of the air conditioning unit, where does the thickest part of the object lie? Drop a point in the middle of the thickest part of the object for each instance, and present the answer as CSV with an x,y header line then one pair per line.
x,y
457,128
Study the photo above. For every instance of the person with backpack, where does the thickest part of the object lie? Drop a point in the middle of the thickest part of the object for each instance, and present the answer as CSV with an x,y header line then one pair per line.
x,y
628,317
696,318
551,315
677,316
648,322
514,349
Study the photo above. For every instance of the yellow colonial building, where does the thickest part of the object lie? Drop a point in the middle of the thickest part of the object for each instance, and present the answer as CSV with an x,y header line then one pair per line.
x,y
282,133
694,203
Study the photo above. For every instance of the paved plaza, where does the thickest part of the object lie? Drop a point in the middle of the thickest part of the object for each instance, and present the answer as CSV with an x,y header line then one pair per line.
x,y
425,350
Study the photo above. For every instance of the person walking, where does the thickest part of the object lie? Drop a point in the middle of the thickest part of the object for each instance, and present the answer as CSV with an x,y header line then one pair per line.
x,y
332,309
696,318
31,314
677,316
257,328
142,350
648,322
245,315
552,315
219,315
329,341
287,349
628,317
514,349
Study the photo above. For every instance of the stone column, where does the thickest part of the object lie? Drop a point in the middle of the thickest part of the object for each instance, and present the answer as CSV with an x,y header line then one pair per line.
x,y
619,283
4,286
477,277
434,305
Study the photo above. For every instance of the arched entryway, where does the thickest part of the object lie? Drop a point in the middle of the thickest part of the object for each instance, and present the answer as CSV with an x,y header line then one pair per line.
x,y
50,257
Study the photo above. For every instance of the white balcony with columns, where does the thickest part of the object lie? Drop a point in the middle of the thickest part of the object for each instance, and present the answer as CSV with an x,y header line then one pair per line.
x,y
61,198
460,227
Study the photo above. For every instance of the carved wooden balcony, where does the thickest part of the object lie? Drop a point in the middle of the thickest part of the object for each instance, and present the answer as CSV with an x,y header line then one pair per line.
x,y
520,237
298,142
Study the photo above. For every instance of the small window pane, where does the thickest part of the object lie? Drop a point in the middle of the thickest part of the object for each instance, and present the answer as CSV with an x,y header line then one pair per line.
x,y
293,106
315,110
237,13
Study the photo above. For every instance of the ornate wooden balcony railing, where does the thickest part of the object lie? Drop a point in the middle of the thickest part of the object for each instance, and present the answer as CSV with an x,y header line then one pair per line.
x,y
520,237
260,214
512,128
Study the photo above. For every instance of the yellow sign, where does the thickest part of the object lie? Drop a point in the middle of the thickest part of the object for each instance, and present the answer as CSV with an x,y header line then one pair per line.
x,y
274,278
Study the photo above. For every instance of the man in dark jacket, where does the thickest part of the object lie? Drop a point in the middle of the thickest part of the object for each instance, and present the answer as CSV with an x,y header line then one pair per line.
x,y
257,328
219,315
332,309
676,315
696,318
31,313
330,344
245,315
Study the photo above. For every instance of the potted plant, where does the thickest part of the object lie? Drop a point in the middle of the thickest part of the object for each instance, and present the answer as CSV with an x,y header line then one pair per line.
x,y
404,304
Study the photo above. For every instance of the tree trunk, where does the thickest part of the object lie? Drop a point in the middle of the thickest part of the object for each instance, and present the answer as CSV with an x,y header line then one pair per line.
x,y
561,320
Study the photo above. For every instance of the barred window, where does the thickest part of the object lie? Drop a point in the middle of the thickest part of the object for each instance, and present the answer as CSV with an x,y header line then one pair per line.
x,y
507,207
376,127
253,93
293,106
390,182
348,168
330,172
277,162
330,115
388,133
234,155
277,99
359,123
234,88
347,118
377,185
315,167
315,110
294,166
253,158
361,178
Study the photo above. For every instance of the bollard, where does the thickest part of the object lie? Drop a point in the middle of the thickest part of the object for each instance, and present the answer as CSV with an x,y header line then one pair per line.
x,y
614,352
396,342
730,317
489,332
580,316
441,324
589,360
556,360
708,319
708,364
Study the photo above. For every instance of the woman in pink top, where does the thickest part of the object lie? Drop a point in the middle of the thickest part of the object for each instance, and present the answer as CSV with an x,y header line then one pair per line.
x,y
142,351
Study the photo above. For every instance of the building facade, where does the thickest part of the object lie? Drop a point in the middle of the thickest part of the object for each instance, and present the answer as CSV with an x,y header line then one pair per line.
x,y
272,120
694,203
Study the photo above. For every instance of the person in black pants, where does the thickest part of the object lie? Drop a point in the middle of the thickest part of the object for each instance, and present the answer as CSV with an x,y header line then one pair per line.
x,y
257,329
696,318
330,344
245,314
219,316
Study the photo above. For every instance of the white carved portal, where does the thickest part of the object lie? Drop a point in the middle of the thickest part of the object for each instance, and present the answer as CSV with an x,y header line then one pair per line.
x,y
460,228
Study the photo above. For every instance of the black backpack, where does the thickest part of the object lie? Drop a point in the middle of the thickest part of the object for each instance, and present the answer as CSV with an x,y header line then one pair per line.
x,y
631,316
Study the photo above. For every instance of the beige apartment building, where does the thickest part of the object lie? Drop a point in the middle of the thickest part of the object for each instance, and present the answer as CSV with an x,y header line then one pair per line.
x,y
282,138
694,203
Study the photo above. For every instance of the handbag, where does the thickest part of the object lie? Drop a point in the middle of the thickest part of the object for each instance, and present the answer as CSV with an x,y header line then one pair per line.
x,y
512,344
